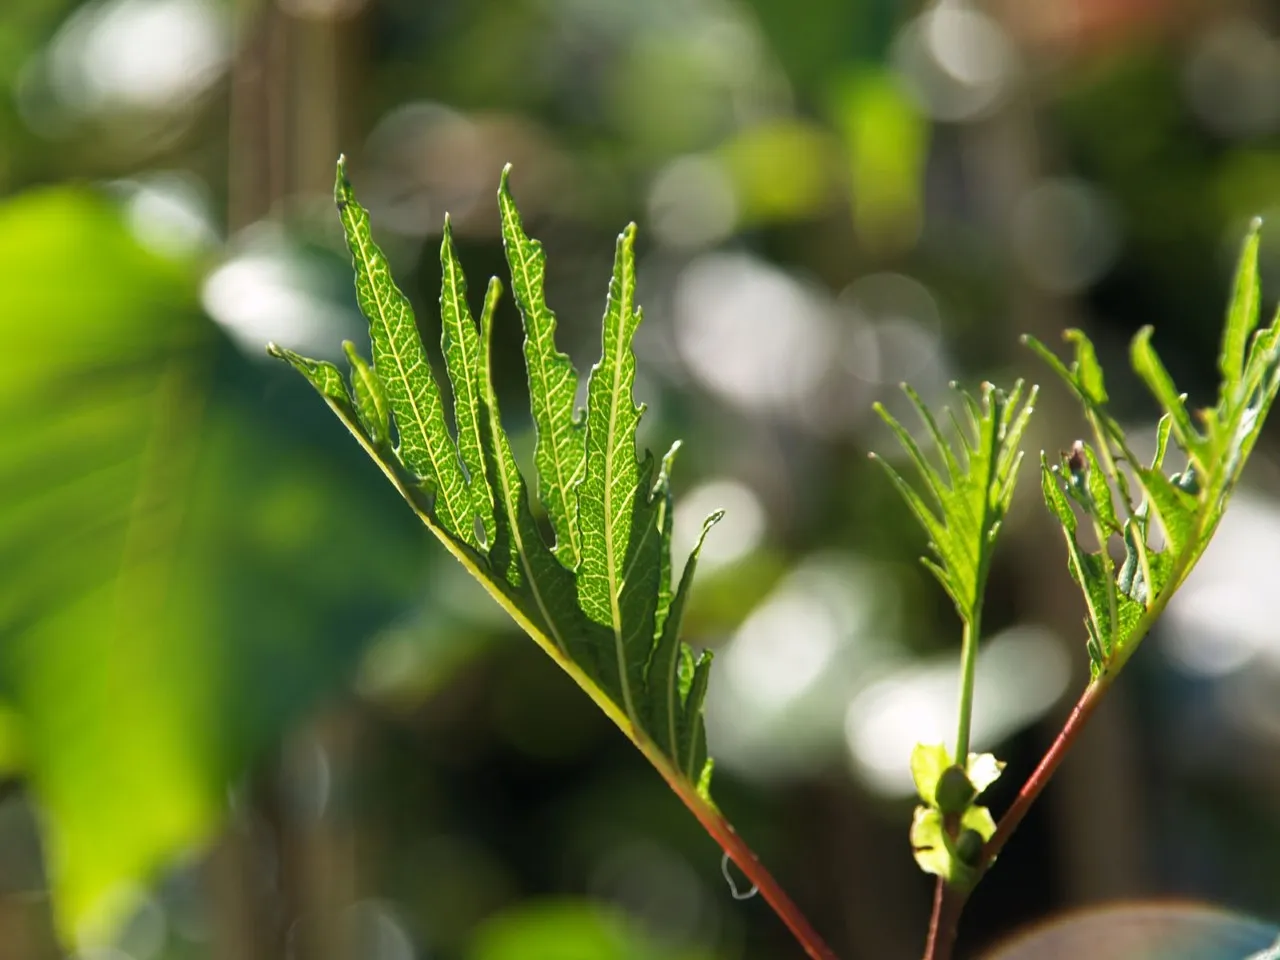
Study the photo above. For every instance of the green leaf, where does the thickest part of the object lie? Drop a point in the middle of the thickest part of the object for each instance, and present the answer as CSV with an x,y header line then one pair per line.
x,y
426,447
1163,428
662,677
929,842
461,345
171,550
935,850
693,737
1123,600
1176,509
618,579
928,760
371,403
601,601
1242,313
1055,499
1111,614
321,374
983,770
979,819
665,521
560,452
1100,503
519,555
972,493
1087,370
571,930
1147,364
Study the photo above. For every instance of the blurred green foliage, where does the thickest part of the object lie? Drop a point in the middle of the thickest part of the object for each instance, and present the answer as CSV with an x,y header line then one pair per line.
x,y
184,574
201,580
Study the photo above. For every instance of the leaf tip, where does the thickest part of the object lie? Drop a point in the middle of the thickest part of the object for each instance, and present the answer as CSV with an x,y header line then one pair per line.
x,y
1255,225
341,185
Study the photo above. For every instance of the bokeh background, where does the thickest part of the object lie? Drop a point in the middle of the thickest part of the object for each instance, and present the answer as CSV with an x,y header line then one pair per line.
x,y
248,710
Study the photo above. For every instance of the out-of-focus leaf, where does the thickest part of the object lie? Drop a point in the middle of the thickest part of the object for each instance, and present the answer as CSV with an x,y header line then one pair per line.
x,y
178,581
569,930
928,760
887,140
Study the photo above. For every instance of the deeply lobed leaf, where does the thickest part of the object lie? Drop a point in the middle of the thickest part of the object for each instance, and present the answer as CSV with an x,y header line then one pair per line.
x,y
461,345
600,601
971,494
619,572
412,393
1189,504
560,452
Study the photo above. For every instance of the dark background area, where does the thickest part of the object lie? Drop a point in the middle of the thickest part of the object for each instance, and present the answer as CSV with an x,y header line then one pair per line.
x,y
249,710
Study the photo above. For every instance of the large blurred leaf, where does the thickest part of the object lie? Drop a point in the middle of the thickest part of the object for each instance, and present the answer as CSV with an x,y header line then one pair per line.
x,y
181,573
569,930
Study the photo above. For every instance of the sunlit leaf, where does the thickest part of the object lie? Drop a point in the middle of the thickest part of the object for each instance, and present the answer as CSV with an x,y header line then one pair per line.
x,y
1122,600
972,493
928,760
984,770
561,453
400,361
600,602
460,342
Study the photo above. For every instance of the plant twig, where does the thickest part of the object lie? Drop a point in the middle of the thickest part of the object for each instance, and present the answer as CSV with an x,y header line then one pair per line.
x,y
948,902
714,822
1039,779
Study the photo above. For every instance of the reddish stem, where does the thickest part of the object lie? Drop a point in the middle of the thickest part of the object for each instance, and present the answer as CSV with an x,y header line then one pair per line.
x,y
1038,780
947,904
722,832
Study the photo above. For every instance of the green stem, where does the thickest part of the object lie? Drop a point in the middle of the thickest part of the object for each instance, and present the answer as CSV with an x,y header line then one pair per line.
x,y
968,668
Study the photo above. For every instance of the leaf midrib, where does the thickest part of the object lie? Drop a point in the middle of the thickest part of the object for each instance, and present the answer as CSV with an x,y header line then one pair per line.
x,y
469,364
562,488
615,586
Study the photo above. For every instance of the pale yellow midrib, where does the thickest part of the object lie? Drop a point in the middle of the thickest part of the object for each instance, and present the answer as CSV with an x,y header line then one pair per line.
x,y
615,588
562,488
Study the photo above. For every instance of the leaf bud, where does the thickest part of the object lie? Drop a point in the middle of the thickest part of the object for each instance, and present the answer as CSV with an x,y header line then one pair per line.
x,y
954,791
1076,460
969,847
1187,480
